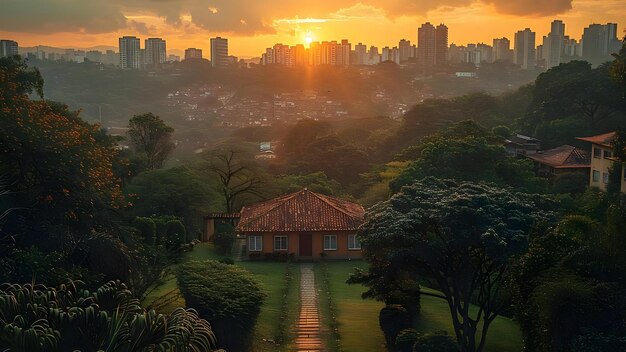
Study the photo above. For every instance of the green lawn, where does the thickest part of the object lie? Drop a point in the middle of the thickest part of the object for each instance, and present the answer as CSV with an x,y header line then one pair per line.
x,y
358,318
278,313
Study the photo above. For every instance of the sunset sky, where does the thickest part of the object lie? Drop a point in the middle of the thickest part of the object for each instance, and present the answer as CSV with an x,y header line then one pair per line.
x,y
253,25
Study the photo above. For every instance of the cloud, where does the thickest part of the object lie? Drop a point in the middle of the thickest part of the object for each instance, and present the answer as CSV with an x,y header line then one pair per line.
x,y
141,27
538,8
49,16
235,17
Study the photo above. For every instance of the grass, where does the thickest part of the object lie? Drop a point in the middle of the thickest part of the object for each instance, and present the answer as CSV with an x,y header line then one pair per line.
x,y
504,334
358,319
279,281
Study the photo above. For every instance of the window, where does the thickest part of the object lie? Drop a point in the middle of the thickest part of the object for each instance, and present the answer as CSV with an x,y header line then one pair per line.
x,y
596,176
607,154
330,242
597,152
255,243
353,242
624,173
280,243
605,178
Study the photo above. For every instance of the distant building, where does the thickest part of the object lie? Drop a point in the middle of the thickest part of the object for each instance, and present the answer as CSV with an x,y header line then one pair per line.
x,y
524,54
219,52
173,58
603,160
502,50
360,51
155,52
432,45
519,144
426,45
552,50
599,42
94,56
8,48
441,44
193,53
130,53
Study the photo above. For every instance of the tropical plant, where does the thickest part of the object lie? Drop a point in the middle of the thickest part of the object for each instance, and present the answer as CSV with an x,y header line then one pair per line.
x,y
68,318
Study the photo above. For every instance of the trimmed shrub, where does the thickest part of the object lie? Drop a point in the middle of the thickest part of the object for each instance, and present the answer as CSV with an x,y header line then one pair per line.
x,y
147,229
176,234
393,319
227,296
406,339
438,341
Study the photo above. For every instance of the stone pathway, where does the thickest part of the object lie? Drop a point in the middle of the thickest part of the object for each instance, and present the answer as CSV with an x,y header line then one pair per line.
x,y
308,327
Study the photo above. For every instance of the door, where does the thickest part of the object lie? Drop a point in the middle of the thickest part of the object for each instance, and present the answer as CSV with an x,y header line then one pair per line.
x,y
306,245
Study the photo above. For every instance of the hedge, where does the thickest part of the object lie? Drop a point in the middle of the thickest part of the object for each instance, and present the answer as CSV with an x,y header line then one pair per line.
x,y
228,296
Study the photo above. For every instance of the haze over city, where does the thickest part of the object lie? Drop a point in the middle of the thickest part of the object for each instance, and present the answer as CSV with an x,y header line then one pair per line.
x,y
253,26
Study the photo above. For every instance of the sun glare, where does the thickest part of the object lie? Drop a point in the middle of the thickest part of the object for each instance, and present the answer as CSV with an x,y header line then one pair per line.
x,y
308,39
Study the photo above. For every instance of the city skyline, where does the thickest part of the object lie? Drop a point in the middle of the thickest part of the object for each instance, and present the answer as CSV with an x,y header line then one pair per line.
x,y
184,27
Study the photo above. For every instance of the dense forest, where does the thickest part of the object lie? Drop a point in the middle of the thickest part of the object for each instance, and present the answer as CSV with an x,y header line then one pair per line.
x,y
89,221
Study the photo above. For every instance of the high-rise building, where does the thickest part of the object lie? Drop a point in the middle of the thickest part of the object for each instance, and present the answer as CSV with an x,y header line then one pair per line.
x,y
155,51
426,41
441,44
553,45
360,51
405,50
8,48
193,53
432,45
219,52
524,54
130,53
343,53
373,56
502,50
599,42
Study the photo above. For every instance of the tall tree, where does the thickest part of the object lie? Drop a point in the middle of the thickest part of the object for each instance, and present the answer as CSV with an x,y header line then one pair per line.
x,y
152,137
460,237
237,177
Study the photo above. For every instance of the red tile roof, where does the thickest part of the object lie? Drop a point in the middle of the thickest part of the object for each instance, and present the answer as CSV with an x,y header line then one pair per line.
x,y
301,211
604,140
563,157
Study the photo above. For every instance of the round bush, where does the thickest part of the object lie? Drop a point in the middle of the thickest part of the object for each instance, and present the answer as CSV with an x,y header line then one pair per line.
x,y
227,296
176,234
406,339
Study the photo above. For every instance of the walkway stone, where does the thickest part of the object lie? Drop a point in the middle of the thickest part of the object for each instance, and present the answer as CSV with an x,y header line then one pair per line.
x,y
308,327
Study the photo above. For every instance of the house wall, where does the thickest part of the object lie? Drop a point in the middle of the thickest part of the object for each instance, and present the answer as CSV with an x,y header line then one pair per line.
x,y
293,244
601,165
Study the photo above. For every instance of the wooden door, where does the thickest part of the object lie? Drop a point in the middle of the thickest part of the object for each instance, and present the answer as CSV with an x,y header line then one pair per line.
x,y
306,245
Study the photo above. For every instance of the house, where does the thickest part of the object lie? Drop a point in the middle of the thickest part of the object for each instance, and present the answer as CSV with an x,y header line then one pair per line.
x,y
304,224
561,160
602,160
519,144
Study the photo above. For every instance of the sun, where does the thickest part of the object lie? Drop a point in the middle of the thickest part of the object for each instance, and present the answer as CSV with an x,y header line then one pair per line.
x,y
308,38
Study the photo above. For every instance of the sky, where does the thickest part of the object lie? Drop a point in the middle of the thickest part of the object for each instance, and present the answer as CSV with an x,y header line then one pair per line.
x,y
253,25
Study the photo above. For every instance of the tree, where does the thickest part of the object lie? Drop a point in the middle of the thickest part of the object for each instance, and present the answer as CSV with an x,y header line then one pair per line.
x,y
461,237
177,191
469,152
237,177
152,137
